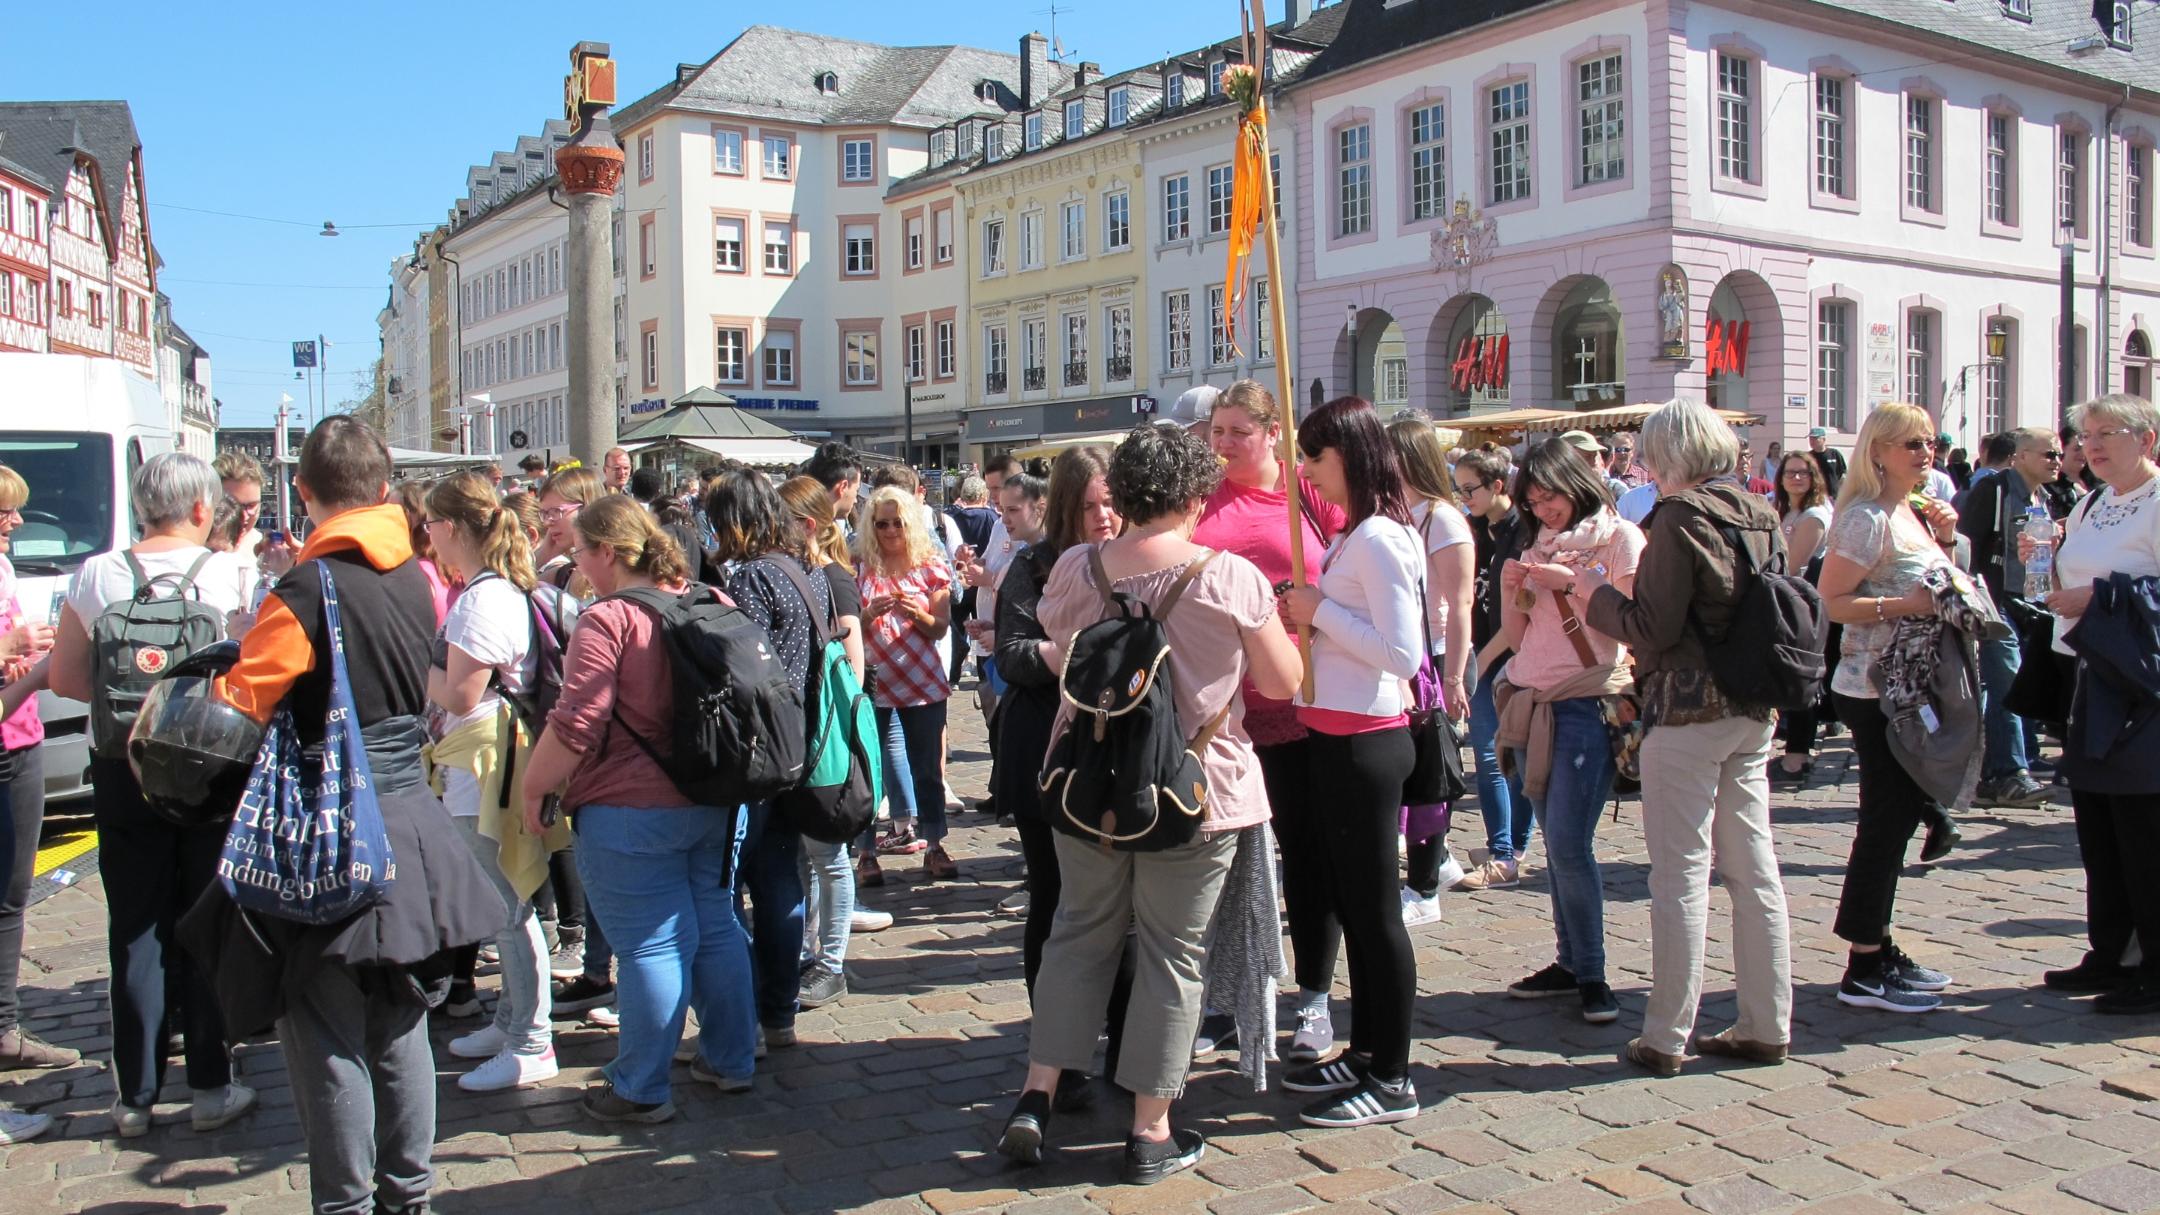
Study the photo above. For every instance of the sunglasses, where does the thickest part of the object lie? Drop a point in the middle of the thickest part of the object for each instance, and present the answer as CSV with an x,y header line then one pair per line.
x,y
1806,473
888,525
1916,446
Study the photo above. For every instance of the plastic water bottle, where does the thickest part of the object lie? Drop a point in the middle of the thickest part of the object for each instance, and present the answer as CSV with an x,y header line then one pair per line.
x,y
2040,567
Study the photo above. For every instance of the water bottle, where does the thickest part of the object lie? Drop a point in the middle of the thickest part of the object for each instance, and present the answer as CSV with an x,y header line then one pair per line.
x,y
2040,567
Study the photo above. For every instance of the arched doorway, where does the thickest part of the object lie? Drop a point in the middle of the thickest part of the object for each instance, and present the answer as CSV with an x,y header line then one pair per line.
x,y
1588,359
1471,336
1742,346
2137,364
1380,361
1725,349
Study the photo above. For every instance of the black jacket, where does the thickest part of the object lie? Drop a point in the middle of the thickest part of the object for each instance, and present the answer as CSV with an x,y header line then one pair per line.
x,y
1494,543
1029,707
1981,520
2115,713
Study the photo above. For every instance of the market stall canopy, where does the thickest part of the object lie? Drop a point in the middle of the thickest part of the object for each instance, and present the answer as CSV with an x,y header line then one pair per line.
x,y
1510,420
1630,417
1048,449
761,453
703,413
415,458
1620,417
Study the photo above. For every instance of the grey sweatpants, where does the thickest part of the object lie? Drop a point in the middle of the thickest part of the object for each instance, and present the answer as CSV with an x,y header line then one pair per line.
x,y
1168,898
363,1078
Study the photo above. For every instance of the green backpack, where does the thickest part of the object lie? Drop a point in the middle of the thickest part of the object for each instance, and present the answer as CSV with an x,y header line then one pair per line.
x,y
841,784
135,639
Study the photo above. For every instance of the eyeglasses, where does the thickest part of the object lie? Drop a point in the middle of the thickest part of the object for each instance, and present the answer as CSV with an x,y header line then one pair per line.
x,y
565,510
434,522
1916,446
889,525
1467,490
1805,474
1623,451
2051,455
2101,436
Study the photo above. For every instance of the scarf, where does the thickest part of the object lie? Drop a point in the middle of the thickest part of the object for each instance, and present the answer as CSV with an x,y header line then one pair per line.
x,y
1576,547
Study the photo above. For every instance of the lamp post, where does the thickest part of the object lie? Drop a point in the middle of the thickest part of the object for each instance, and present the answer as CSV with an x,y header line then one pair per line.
x,y
2066,337
1350,325
1995,342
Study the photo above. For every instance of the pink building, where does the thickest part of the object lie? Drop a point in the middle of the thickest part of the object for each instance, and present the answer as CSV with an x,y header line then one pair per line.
x,y
25,262
1800,209
93,225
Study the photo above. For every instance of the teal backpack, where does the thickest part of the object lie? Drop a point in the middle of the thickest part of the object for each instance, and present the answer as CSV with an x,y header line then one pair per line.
x,y
838,796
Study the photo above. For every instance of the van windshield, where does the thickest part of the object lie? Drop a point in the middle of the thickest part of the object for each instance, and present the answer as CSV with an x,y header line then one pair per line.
x,y
69,517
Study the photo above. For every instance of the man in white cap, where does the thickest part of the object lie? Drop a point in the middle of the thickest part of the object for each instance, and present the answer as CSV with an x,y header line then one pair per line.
x,y
1593,454
1193,408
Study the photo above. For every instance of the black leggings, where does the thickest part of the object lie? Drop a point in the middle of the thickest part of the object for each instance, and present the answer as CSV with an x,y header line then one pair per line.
x,y
2119,842
1364,775
1892,807
1315,934
1045,885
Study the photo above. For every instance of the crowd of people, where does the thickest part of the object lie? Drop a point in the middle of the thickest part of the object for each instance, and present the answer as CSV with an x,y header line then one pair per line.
x,y
1557,609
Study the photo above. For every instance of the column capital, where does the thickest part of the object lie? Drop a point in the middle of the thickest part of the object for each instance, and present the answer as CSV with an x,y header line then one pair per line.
x,y
589,168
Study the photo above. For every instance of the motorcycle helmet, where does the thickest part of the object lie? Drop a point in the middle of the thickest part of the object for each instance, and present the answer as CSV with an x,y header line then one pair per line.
x,y
190,751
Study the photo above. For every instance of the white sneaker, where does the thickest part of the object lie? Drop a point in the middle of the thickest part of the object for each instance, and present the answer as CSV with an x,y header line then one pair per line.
x,y
508,1070
129,1122
1451,872
953,804
1315,1036
1417,909
217,1107
686,1047
603,1016
483,1043
1016,902
865,919
18,1127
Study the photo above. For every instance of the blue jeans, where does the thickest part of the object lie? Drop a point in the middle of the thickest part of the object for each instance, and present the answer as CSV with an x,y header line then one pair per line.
x,y
2003,750
915,767
1581,781
771,877
829,888
660,879
1508,818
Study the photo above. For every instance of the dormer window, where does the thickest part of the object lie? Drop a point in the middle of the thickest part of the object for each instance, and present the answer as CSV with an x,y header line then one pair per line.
x,y
1177,90
2118,31
1032,130
986,90
1120,106
994,144
1214,77
1075,119
2019,9
828,83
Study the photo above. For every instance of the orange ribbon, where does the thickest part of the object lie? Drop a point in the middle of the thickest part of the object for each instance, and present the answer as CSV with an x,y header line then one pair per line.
x,y
1249,176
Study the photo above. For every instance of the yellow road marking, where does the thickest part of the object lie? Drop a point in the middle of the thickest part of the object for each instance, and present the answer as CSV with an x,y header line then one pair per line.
x,y
64,848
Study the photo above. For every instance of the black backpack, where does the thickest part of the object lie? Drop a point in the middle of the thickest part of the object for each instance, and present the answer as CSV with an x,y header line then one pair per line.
x,y
1123,774
1771,655
738,732
842,773
544,606
135,639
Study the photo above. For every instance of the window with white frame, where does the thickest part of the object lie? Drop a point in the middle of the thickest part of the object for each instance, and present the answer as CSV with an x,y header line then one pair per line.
x,y
1073,225
1076,355
727,151
1117,220
862,353
1833,165
1998,188
1219,353
731,353
1428,161
779,247
1353,180
994,359
650,358
1034,353
2019,9
1031,130
917,353
994,143
855,160
1394,386
1263,322
1176,90
1600,120
1214,78
1117,337
1075,119
727,244
779,156
2119,21
941,235
1507,121
1920,151
1120,106
860,248
1031,240
993,246
555,344
1176,207
1177,331
2070,180
947,353
645,157
2137,195
1735,117
1833,363
1921,331
555,270
1218,200
912,237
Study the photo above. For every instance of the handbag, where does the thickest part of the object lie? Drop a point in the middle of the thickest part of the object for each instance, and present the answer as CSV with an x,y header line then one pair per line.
x,y
1622,714
1436,775
307,842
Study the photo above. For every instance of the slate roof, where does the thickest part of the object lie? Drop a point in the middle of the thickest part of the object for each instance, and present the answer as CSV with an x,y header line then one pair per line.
x,y
38,131
19,171
769,72
1371,30
703,413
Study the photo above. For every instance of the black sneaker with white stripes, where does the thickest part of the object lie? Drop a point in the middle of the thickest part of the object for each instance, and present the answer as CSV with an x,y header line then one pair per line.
x,y
1339,1074
1369,1104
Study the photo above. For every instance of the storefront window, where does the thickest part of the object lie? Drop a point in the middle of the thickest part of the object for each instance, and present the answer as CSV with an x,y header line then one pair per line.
x,y
1586,344
1477,353
1725,343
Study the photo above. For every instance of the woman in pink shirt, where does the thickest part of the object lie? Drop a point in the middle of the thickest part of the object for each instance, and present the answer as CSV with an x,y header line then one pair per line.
x,y
20,735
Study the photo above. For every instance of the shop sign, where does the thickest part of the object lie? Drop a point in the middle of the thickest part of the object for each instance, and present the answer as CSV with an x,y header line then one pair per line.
x,y
784,404
1480,362
1725,345
1086,416
648,405
1004,425
929,398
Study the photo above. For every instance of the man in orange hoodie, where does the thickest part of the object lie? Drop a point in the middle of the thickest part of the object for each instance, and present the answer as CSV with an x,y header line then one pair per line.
x,y
350,999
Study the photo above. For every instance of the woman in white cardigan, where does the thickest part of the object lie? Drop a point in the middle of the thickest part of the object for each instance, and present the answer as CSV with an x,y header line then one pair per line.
x,y
1368,639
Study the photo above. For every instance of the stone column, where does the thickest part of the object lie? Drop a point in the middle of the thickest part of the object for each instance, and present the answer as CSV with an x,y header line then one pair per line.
x,y
591,169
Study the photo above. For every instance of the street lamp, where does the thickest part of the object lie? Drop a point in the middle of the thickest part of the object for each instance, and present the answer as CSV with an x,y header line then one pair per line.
x,y
1350,324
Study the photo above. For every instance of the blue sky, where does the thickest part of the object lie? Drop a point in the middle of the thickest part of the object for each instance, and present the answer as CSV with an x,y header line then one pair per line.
x,y
370,114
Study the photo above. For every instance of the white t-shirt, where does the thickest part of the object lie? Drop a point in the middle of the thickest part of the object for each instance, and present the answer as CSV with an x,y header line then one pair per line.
x,y
1448,529
224,582
996,557
2109,534
1636,504
1820,512
492,623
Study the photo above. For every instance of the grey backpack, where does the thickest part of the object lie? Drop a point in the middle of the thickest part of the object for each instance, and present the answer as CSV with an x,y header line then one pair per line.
x,y
135,640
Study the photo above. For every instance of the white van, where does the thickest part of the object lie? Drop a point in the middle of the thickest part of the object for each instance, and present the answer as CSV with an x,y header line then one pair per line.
x,y
76,428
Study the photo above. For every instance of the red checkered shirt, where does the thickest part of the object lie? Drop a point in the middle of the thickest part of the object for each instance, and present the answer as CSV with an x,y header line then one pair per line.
x,y
909,670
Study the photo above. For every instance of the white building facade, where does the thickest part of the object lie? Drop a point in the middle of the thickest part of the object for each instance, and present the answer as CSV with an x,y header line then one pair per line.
x,y
513,313
1799,211
183,377
406,364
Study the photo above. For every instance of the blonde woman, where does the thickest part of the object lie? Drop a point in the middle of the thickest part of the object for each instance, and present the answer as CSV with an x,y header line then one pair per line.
x,y
1885,537
907,601
490,657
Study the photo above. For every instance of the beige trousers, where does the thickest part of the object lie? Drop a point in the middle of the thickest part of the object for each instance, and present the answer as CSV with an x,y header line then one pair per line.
x,y
1706,791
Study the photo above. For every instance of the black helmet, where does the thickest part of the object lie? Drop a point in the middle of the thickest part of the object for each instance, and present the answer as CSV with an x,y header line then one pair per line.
x,y
192,752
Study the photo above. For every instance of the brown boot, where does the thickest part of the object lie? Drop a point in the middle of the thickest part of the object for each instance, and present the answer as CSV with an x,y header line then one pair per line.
x,y
938,865
19,1048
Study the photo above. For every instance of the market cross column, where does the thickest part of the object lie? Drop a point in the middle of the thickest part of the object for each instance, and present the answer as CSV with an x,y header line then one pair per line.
x,y
590,167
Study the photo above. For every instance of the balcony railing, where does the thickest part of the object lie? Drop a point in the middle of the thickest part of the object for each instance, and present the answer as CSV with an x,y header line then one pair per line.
x,y
993,382
1075,374
1034,379
1118,368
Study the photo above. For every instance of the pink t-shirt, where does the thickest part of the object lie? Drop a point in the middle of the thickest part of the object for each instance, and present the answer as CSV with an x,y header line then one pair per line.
x,y
1255,524
25,728
1228,599
1547,657
616,663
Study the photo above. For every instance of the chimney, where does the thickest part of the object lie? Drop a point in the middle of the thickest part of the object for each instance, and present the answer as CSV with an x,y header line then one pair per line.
x,y
1297,13
1034,70
1086,74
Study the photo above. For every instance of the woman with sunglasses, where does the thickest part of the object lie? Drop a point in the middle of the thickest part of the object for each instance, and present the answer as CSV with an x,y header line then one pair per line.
x,y
907,602
1802,499
1886,537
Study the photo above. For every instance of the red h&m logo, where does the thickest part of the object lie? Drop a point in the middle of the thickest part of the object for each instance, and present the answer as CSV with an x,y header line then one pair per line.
x,y
1727,347
1480,362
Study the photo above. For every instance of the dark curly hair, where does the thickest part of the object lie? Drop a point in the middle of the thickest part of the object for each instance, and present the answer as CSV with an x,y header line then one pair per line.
x,y
1371,474
1160,469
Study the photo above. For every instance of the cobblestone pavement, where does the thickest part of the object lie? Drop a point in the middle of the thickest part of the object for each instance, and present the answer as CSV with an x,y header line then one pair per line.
x,y
2009,1099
